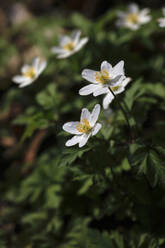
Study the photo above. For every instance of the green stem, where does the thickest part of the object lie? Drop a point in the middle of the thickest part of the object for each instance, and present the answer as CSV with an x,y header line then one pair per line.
x,y
124,114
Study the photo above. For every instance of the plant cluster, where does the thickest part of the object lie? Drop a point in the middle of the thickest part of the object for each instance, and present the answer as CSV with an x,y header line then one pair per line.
x,y
107,191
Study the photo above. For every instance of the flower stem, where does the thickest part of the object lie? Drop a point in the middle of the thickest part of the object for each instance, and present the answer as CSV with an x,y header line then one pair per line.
x,y
124,114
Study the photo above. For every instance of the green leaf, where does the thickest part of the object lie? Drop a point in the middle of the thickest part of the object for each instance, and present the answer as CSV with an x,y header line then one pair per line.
x,y
134,92
156,89
137,154
33,119
154,168
87,183
33,217
118,239
53,198
49,98
68,156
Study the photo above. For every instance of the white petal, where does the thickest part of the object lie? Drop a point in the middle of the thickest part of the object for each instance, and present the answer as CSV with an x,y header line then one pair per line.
x,y
121,86
144,12
73,141
26,83
117,80
89,75
84,139
119,90
96,129
57,50
94,115
161,22
85,114
133,26
106,66
65,55
118,69
126,81
107,100
100,91
144,19
19,79
35,63
76,36
24,68
82,42
133,8
42,66
64,39
71,127
88,89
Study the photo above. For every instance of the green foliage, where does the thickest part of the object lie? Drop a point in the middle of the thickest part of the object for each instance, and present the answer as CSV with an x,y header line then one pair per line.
x,y
151,163
110,193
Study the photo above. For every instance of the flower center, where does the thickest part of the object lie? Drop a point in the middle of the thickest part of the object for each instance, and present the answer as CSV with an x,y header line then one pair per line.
x,y
84,126
132,18
30,73
102,77
69,46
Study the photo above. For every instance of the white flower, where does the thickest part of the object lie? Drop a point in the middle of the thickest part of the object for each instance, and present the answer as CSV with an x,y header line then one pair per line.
x,y
162,20
119,88
134,17
30,72
85,128
69,45
101,80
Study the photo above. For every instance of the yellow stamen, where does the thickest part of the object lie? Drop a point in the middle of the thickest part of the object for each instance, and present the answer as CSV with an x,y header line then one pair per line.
x,y
84,126
132,18
30,73
69,46
102,77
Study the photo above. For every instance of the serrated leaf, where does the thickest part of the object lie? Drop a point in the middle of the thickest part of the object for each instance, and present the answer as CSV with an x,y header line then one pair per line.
x,y
70,155
154,168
